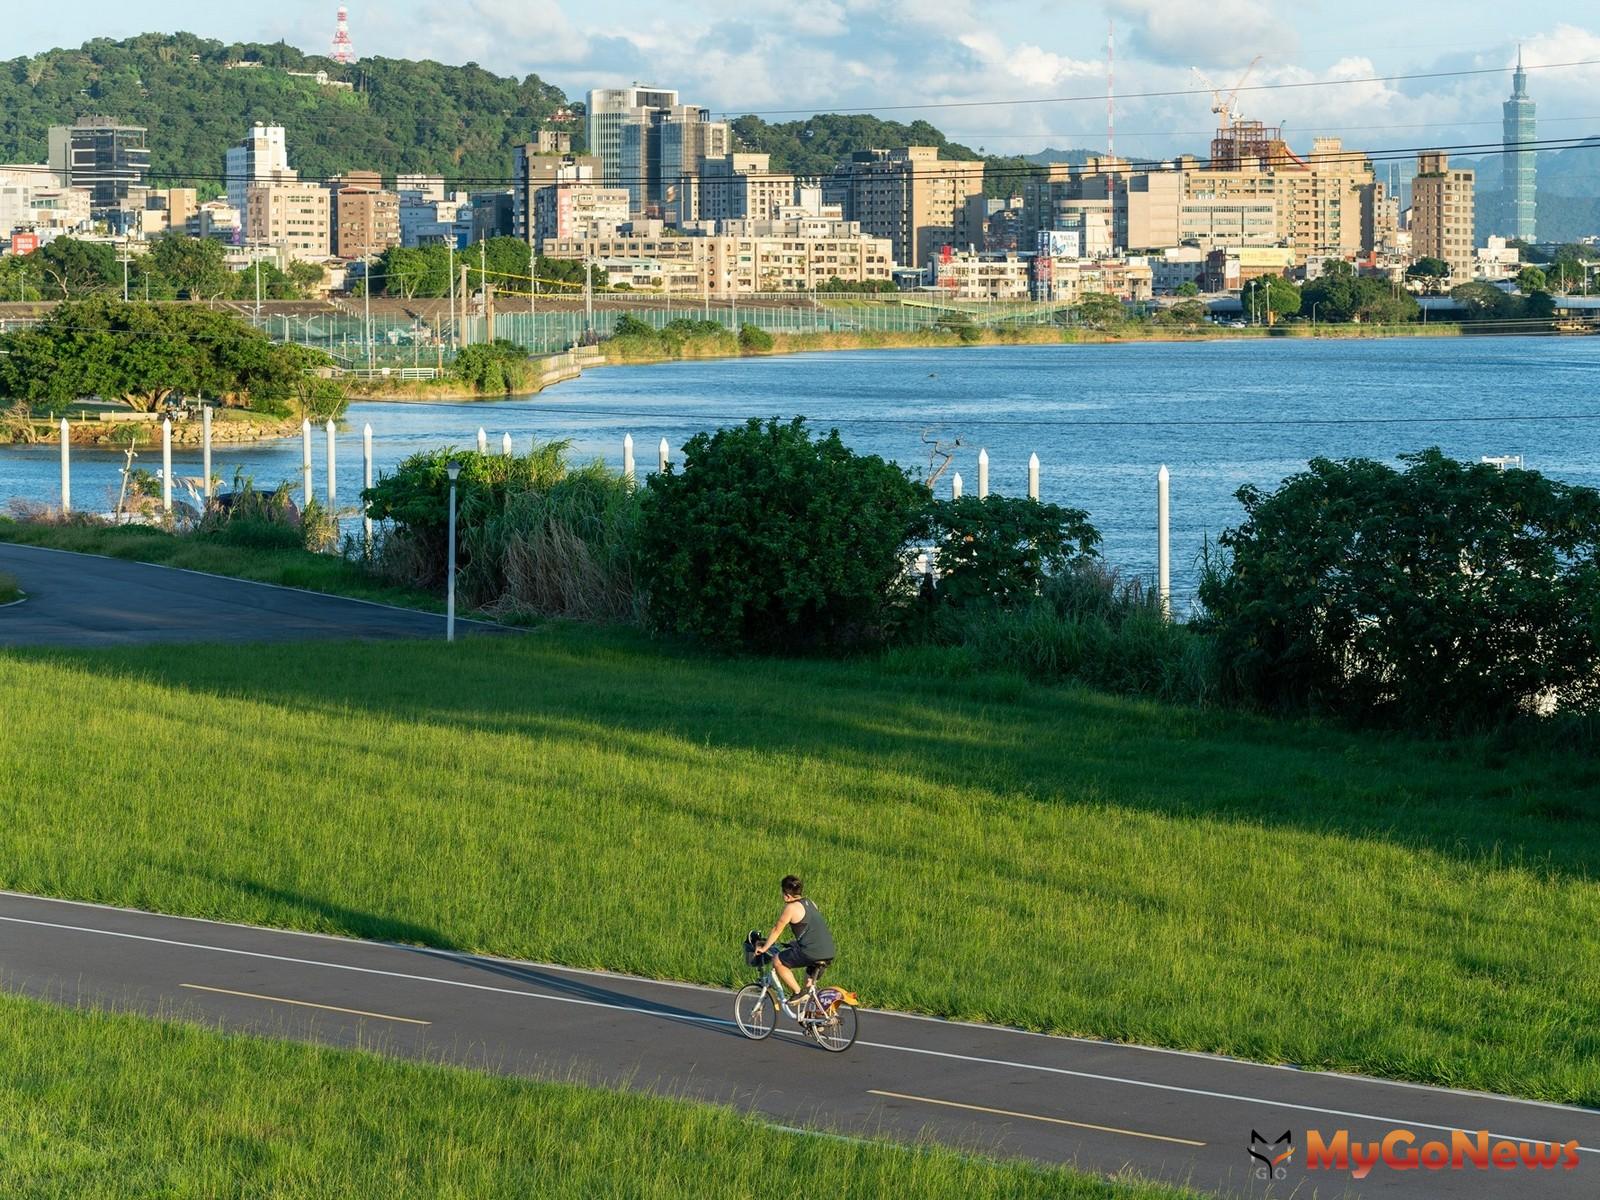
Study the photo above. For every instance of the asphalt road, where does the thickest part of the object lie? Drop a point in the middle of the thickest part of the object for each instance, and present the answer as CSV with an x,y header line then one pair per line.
x,y
1184,1118
86,600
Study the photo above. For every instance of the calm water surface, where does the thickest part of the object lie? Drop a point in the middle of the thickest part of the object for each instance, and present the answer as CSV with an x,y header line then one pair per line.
x,y
1101,418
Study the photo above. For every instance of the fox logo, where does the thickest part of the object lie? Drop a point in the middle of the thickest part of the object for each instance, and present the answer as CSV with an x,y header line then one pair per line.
x,y
1269,1155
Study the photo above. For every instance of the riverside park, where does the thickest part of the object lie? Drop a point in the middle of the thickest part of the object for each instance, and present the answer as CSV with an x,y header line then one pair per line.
x,y
397,837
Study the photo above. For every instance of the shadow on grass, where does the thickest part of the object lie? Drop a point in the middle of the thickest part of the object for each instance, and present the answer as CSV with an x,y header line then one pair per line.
x,y
624,693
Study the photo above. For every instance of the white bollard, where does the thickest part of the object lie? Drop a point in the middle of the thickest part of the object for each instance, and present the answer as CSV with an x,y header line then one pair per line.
x,y
166,464
983,474
1163,544
305,464
333,475
627,456
505,445
666,454
483,441
205,460
366,483
955,486
66,469
1033,477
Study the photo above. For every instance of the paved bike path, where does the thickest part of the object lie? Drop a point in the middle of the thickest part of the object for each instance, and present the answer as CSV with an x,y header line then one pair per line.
x,y
87,600
1179,1117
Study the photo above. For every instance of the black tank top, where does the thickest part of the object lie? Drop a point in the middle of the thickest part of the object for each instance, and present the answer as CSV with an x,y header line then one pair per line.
x,y
812,935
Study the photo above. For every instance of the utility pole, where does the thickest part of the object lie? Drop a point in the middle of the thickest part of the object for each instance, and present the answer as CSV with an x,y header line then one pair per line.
x,y
588,292
258,285
452,273
125,260
463,298
366,299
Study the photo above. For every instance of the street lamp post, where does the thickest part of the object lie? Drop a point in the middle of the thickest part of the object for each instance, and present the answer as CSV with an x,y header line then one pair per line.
x,y
1314,314
454,471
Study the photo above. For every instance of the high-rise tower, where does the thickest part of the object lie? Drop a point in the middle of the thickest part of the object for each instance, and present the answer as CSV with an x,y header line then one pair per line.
x,y
1518,194
344,50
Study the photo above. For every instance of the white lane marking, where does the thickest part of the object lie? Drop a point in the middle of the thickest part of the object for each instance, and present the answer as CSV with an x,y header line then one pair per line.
x,y
672,1016
1006,1112
355,1012
1189,1091
1060,1038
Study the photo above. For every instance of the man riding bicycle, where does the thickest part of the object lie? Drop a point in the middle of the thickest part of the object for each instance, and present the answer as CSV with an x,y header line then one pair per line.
x,y
812,947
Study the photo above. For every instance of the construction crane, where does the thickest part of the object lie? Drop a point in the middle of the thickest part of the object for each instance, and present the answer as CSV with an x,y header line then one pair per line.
x,y
1222,105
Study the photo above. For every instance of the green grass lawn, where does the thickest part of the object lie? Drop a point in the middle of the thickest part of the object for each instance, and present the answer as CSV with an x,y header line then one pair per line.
x,y
123,1108
288,568
983,848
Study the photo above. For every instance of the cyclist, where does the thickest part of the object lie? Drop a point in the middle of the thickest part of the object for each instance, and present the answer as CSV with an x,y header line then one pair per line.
x,y
812,947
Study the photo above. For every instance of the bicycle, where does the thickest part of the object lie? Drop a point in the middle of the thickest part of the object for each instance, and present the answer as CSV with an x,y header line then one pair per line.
x,y
827,1017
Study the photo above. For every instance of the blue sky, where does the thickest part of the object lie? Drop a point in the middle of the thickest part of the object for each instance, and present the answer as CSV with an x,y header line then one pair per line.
x,y
819,55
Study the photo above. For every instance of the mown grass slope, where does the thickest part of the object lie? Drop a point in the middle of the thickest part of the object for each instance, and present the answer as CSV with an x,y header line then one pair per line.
x,y
123,1108
983,847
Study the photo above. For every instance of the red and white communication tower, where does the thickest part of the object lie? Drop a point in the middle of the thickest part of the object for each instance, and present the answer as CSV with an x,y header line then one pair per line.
x,y
344,50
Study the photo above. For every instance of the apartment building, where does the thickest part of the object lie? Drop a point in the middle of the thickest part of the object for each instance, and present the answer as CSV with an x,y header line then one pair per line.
x,y
167,210
365,219
1069,280
911,196
963,275
788,254
216,219
294,216
743,187
1442,214
532,169
576,207
261,157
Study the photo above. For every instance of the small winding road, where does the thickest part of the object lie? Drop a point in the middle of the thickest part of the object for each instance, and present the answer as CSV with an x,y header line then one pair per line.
x,y
85,600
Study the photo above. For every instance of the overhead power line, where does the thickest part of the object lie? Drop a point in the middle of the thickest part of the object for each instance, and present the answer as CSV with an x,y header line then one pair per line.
x,y
1099,97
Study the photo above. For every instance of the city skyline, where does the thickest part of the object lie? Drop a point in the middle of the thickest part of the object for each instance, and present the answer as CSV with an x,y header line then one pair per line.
x,y
879,54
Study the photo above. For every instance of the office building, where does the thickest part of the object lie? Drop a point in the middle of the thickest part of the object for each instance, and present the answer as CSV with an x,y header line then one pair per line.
x,y
609,109
688,139
102,155
1441,214
1519,198
167,210
262,157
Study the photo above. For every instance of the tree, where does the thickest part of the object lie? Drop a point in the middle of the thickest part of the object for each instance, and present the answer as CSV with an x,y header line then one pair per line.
x,y
1269,297
1184,312
1445,594
772,539
1188,288
71,268
1485,302
1101,311
1429,268
193,266
1531,279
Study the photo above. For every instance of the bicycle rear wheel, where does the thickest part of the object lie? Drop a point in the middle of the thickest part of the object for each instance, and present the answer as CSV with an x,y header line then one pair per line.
x,y
838,1032
755,1012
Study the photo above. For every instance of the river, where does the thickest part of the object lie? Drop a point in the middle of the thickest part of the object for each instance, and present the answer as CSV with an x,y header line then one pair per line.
x,y
1102,419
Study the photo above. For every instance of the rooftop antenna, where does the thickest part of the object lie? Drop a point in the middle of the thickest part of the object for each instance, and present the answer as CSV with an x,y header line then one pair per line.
x,y
344,50
1111,90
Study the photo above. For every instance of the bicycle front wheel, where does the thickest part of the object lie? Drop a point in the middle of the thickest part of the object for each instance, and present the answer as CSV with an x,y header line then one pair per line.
x,y
755,1012
838,1032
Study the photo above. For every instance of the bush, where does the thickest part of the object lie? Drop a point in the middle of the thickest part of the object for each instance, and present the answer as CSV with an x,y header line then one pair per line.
x,y
1000,549
533,536
496,368
1445,595
754,340
775,540
253,520
629,325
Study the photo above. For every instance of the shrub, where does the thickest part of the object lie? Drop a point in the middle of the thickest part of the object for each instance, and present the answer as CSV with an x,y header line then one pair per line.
x,y
629,325
252,519
754,340
416,498
533,536
1446,594
496,368
772,539
1000,549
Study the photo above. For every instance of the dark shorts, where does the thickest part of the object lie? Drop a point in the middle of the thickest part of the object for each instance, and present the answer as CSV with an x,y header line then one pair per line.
x,y
791,956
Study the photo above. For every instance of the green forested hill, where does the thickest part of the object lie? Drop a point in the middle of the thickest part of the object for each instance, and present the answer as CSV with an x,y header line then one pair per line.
x,y
197,101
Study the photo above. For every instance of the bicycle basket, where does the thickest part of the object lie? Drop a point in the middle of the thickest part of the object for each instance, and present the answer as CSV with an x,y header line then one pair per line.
x,y
751,958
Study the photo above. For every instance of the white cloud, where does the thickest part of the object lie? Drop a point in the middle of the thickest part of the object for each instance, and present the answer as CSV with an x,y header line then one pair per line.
x,y
1214,33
